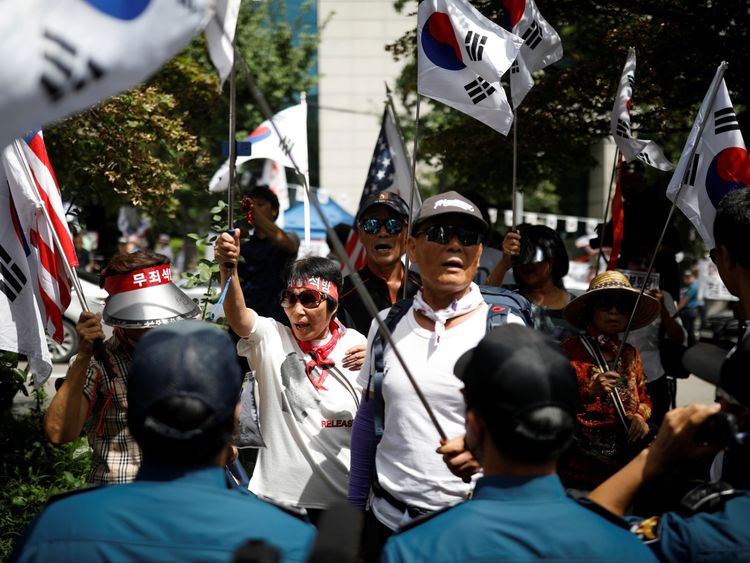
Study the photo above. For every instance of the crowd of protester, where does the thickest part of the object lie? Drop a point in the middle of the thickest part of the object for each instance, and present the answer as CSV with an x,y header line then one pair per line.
x,y
465,423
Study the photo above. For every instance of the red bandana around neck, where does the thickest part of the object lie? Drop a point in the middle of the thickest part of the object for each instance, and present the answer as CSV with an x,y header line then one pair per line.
x,y
319,354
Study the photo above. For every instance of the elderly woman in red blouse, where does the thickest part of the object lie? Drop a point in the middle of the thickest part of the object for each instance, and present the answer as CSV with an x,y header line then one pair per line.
x,y
605,440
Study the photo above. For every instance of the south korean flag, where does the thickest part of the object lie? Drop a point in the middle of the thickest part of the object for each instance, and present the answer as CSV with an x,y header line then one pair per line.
x,y
646,151
461,57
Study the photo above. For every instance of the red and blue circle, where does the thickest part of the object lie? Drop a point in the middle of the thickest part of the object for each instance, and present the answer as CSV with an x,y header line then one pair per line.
x,y
121,9
259,134
439,42
728,171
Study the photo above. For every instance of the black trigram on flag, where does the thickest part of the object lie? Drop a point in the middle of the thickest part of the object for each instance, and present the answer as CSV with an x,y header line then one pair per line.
x,y
725,120
514,68
479,89
64,69
12,279
622,129
631,81
691,171
533,35
645,158
475,45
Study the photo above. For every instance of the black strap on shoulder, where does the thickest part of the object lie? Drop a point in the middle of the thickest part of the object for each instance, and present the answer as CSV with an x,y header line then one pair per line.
x,y
395,314
707,497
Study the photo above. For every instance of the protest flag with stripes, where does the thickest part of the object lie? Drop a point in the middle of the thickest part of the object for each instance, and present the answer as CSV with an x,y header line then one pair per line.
x,y
389,171
719,165
541,45
42,223
461,56
21,309
647,151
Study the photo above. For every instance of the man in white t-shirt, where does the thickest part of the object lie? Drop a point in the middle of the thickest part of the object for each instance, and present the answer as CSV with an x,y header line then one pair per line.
x,y
447,317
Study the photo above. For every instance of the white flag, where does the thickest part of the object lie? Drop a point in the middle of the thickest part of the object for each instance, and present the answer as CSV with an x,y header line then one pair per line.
x,y
647,151
461,57
720,163
541,45
292,124
63,56
21,327
220,35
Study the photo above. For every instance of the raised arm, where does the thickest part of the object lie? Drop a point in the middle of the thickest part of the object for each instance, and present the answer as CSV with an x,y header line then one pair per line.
x,y
67,411
227,252
511,248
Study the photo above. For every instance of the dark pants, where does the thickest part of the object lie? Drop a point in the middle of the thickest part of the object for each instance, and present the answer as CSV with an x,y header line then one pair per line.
x,y
689,316
374,536
662,392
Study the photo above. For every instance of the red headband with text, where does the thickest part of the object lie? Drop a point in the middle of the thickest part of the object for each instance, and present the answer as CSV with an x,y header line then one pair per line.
x,y
138,279
320,284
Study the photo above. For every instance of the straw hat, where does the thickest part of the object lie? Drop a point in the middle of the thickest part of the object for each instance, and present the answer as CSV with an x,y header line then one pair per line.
x,y
612,282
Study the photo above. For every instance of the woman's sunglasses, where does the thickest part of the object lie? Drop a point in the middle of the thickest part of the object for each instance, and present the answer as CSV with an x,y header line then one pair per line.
x,y
309,298
372,226
443,234
622,305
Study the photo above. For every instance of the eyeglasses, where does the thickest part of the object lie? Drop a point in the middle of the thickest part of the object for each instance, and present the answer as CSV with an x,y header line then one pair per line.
x,y
712,254
309,298
372,226
443,234
605,303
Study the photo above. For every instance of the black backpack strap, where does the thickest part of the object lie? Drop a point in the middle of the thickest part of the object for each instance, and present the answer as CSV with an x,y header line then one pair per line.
x,y
501,301
395,314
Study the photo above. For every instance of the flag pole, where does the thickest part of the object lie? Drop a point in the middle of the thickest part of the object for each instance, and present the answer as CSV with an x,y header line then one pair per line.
x,y
712,97
338,247
606,210
517,197
306,177
232,142
412,188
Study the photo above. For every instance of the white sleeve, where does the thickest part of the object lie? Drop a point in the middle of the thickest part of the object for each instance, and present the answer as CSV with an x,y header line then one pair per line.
x,y
514,319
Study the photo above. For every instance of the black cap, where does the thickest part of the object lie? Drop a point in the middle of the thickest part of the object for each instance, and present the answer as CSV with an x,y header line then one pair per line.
x,y
516,369
388,199
710,363
449,203
191,359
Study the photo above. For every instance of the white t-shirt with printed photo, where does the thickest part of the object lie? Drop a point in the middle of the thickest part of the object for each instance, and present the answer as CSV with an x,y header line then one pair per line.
x,y
307,431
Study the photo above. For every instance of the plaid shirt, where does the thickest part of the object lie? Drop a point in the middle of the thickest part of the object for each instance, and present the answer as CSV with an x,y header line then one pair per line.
x,y
116,456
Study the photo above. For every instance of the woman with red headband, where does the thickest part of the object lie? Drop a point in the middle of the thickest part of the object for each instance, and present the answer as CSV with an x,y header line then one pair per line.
x,y
306,374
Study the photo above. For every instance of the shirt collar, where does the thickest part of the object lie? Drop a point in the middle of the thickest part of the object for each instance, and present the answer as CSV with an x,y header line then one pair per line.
x,y
211,476
515,487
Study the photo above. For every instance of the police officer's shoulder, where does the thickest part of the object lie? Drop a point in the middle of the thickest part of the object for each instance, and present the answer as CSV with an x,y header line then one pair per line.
x,y
75,492
296,511
599,510
419,520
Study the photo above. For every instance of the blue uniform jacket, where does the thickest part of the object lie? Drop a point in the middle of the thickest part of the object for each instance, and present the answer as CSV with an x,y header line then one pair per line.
x,y
166,514
514,518
719,536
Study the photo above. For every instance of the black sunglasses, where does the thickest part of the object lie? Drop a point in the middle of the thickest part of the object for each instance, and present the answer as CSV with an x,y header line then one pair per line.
x,y
712,255
372,226
443,234
309,298
622,305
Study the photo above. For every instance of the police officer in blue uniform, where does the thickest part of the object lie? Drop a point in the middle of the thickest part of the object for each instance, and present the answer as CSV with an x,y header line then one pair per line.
x,y
183,393
521,397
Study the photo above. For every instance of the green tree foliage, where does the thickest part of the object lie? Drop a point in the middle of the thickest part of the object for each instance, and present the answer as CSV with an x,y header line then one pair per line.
x,y
679,45
157,145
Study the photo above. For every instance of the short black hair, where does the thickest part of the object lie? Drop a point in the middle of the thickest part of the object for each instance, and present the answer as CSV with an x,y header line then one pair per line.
x,y
732,225
182,414
538,435
316,266
264,192
553,248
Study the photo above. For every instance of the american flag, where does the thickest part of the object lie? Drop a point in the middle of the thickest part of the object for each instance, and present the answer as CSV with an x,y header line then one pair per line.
x,y
42,220
389,171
